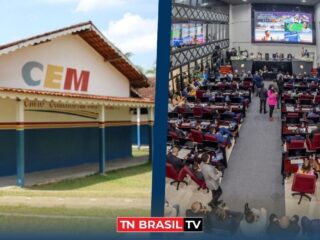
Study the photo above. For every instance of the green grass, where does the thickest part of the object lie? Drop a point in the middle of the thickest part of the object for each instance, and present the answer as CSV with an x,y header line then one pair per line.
x,y
133,182
140,153
31,219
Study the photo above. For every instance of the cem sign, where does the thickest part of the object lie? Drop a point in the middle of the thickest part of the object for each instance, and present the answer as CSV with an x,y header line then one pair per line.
x,y
53,77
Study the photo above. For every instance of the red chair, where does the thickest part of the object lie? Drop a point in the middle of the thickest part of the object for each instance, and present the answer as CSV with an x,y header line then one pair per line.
x,y
172,173
296,144
314,143
305,97
196,136
293,115
317,99
199,93
290,168
303,184
246,85
182,110
201,184
174,136
197,112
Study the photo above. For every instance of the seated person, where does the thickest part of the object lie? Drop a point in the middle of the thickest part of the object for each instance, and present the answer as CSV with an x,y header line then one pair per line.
x,y
310,228
295,137
254,223
186,91
172,158
197,170
223,135
283,227
179,132
218,218
197,210
236,116
308,167
317,130
171,210
225,219
312,114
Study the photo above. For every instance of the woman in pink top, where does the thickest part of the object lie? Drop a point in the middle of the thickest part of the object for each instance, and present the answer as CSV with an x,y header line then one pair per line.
x,y
272,101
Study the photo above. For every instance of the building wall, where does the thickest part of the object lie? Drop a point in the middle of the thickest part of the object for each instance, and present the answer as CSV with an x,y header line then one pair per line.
x,y
69,52
240,35
49,145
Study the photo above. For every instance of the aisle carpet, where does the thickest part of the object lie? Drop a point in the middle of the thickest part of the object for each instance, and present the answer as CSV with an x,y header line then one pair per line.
x,y
254,172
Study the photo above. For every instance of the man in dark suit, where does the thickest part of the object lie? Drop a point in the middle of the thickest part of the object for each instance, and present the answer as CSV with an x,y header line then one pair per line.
x,y
173,159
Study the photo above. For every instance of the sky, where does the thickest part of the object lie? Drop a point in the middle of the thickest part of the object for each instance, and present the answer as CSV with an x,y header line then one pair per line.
x,y
130,24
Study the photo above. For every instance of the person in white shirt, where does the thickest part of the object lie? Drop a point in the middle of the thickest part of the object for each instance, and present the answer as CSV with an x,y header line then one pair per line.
x,y
254,223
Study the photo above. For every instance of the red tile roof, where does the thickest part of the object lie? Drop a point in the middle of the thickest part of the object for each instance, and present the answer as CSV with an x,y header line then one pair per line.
x,y
75,95
148,92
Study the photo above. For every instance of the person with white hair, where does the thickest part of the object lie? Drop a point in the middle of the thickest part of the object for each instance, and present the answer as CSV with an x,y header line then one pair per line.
x,y
283,227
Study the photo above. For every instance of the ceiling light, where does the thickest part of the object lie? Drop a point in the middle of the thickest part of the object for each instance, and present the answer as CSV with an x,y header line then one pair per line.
x,y
304,1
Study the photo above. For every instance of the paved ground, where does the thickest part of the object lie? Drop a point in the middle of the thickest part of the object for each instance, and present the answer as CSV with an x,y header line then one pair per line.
x,y
55,175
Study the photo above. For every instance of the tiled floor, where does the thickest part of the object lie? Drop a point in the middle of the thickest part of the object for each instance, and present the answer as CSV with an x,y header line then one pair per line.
x,y
306,208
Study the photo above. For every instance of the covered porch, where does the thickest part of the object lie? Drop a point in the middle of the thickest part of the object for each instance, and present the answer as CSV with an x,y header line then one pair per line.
x,y
49,137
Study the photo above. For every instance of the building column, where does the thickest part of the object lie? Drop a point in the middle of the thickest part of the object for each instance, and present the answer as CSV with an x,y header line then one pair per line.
x,y
317,23
151,120
20,143
138,128
102,140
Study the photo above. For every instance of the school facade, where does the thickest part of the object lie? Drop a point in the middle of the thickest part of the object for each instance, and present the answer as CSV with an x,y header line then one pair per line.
x,y
66,98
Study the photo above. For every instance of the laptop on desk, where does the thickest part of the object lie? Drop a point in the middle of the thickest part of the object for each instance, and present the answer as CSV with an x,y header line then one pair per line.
x,y
311,128
296,161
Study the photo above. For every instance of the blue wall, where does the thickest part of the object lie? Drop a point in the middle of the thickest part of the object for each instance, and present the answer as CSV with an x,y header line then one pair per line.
x,y
118,142
144,131
62,147
8,164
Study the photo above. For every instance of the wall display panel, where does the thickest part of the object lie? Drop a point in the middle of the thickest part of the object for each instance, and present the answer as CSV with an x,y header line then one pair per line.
x,y
283,24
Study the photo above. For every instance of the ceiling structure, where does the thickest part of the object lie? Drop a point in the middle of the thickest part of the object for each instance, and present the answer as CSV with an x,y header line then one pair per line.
x,y
293,2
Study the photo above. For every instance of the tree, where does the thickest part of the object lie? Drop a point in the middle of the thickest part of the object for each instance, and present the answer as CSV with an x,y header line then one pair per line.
x,y
152,71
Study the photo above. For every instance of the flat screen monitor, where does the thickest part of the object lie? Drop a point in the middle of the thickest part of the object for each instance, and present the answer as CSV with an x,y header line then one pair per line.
x,y
283,24
191,99
297,152
302,88
219,100
226,117
236,100
292,120
305,101
290,101
204,99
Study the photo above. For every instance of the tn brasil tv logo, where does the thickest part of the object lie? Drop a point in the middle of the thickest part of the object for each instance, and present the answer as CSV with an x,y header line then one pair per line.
x,y
53,77
159,224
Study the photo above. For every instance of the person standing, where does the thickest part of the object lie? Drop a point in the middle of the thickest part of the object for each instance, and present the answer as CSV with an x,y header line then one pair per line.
x,y
263,94
280,84
258,82
212,179
272,101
